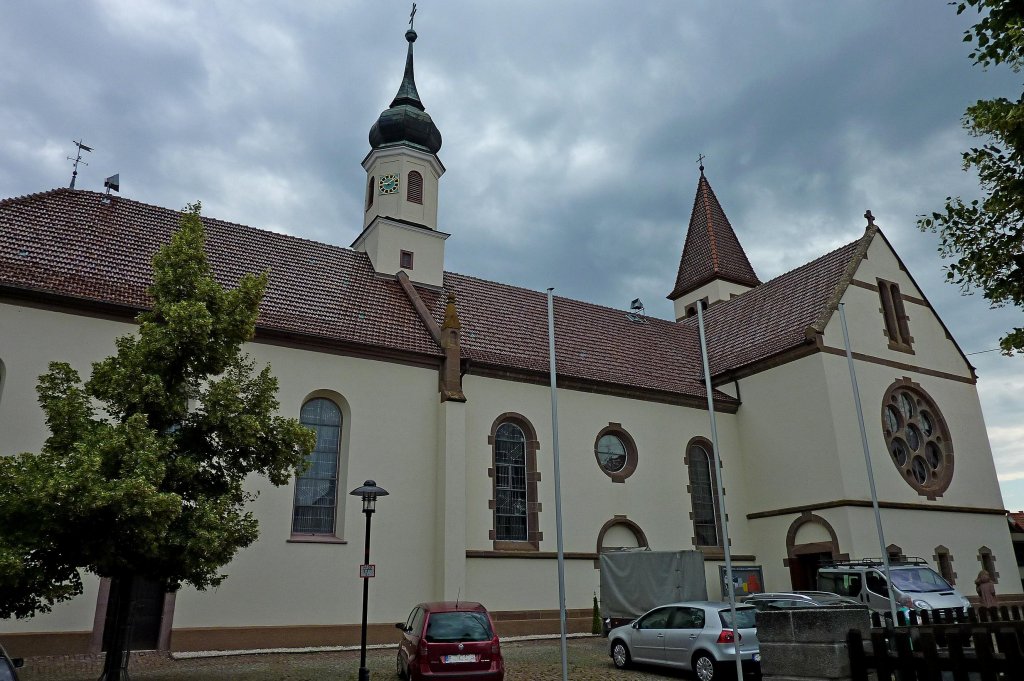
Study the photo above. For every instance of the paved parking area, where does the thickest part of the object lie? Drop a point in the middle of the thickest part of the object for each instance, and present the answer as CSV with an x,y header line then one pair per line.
x,y
525,661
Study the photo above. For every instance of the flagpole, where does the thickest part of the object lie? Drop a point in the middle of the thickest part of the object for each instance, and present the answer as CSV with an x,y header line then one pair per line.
x,y
720,490
558,482
867,461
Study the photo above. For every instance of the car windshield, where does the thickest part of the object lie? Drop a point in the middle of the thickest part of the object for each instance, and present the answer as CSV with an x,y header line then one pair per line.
x,y
6,671
744,618
458,626
918,580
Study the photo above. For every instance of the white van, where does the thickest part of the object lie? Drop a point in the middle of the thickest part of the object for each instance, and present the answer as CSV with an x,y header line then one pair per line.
x,y
917,586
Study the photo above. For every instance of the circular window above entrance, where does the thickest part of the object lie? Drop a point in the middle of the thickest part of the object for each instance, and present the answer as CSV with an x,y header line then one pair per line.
x,y
917,438
615,452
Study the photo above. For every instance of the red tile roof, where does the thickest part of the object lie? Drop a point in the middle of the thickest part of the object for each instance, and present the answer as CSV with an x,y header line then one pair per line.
x,y
69,244
712,250
777,315
1018,520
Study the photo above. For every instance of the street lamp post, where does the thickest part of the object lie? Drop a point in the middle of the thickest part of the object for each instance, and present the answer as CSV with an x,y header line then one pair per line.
x,y
369,493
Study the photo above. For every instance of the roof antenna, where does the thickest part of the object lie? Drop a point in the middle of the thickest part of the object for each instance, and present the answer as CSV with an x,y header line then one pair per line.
x,y
112,182
78,159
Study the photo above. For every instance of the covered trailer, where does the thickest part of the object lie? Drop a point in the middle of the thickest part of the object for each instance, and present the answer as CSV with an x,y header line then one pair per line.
x,y
633,582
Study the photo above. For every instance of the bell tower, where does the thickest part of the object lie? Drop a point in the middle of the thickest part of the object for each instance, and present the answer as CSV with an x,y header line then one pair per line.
x,y
402,176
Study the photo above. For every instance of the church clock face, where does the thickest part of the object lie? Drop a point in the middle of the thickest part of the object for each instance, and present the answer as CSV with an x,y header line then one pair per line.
x,y
388,184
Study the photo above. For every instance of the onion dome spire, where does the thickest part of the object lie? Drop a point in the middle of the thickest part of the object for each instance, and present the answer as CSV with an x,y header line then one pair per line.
x,y
406,121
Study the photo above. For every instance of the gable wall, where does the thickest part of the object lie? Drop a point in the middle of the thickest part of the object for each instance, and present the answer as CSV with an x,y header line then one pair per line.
x,y
933,349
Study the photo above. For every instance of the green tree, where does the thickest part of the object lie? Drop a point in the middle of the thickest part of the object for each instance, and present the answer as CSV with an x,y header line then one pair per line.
x,y
143,473
985,238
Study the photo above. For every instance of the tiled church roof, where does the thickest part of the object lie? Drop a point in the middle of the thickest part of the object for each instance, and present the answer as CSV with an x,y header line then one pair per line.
x,y
68,244
712,250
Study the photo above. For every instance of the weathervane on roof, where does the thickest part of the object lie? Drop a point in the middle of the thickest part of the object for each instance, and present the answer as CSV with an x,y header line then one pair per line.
x,y
412,16
77,159
700,162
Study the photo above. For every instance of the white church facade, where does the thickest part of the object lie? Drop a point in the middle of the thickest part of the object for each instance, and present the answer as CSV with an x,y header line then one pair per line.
x,y
435,385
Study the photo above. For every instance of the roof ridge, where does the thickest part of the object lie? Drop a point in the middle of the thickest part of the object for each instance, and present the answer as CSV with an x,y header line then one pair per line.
x,y
55,190
669,322
844,281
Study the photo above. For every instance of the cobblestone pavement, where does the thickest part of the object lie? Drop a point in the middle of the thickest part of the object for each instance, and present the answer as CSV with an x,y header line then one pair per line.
x,y
524,661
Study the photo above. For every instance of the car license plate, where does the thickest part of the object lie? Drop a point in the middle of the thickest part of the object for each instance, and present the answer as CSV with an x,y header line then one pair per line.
x,y
459,658
757,657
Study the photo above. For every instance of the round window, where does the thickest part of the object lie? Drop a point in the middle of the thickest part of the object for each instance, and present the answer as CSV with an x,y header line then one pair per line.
x,y
615,452
611,453
917,438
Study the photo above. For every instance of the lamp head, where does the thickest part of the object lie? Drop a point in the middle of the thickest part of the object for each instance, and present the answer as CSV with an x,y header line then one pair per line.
x,y
369,493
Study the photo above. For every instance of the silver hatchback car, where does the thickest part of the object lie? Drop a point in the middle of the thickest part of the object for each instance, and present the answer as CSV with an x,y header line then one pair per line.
x,y
695,635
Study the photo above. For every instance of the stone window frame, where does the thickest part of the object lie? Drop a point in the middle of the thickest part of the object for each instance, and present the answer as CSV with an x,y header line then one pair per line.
x,y
533,507
945,567
987,560
641,536
628,442
414,187
336,536
895,553
706,445
940,441
403,257
894,314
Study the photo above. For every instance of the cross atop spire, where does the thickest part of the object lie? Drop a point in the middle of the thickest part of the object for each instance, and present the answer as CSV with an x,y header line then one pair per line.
x,y
700,162
412,16
870,218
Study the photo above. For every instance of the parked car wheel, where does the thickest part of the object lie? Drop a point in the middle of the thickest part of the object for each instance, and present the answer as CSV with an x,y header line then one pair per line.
x,y
704,667
620,655
400,667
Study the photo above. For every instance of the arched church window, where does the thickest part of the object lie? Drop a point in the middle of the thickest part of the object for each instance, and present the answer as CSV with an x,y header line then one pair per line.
x,y
705,513
316,490
414,190
370,190
514,478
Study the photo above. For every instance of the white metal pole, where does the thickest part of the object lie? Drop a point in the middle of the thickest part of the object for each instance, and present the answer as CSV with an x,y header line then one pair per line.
x,y
558,482
867,462
721,493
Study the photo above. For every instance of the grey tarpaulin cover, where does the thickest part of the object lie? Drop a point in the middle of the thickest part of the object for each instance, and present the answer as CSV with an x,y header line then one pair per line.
x,y
633,582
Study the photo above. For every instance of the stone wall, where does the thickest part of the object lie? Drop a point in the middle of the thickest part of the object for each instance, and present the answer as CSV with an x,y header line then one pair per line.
x,y
809,643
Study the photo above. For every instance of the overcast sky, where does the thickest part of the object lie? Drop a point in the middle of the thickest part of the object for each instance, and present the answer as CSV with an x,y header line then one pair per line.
x,y
571,131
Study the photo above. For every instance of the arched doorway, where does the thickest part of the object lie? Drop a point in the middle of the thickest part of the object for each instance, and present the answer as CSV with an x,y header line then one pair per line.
x,y
809,542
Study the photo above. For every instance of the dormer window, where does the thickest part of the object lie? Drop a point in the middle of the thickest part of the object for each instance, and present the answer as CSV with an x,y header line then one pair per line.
x,y
414,189
897,329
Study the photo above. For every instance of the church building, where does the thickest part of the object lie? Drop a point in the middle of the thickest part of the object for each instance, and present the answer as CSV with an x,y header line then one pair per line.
x,y
435,384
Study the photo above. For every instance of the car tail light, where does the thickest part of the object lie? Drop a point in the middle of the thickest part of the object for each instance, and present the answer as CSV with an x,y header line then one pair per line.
x,y
423,649
494,646
727,636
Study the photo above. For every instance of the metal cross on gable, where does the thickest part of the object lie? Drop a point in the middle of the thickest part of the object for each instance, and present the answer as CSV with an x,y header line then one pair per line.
x,y
412,15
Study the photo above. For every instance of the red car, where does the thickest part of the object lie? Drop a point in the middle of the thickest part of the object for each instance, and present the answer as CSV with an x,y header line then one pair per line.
x,y
449,640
